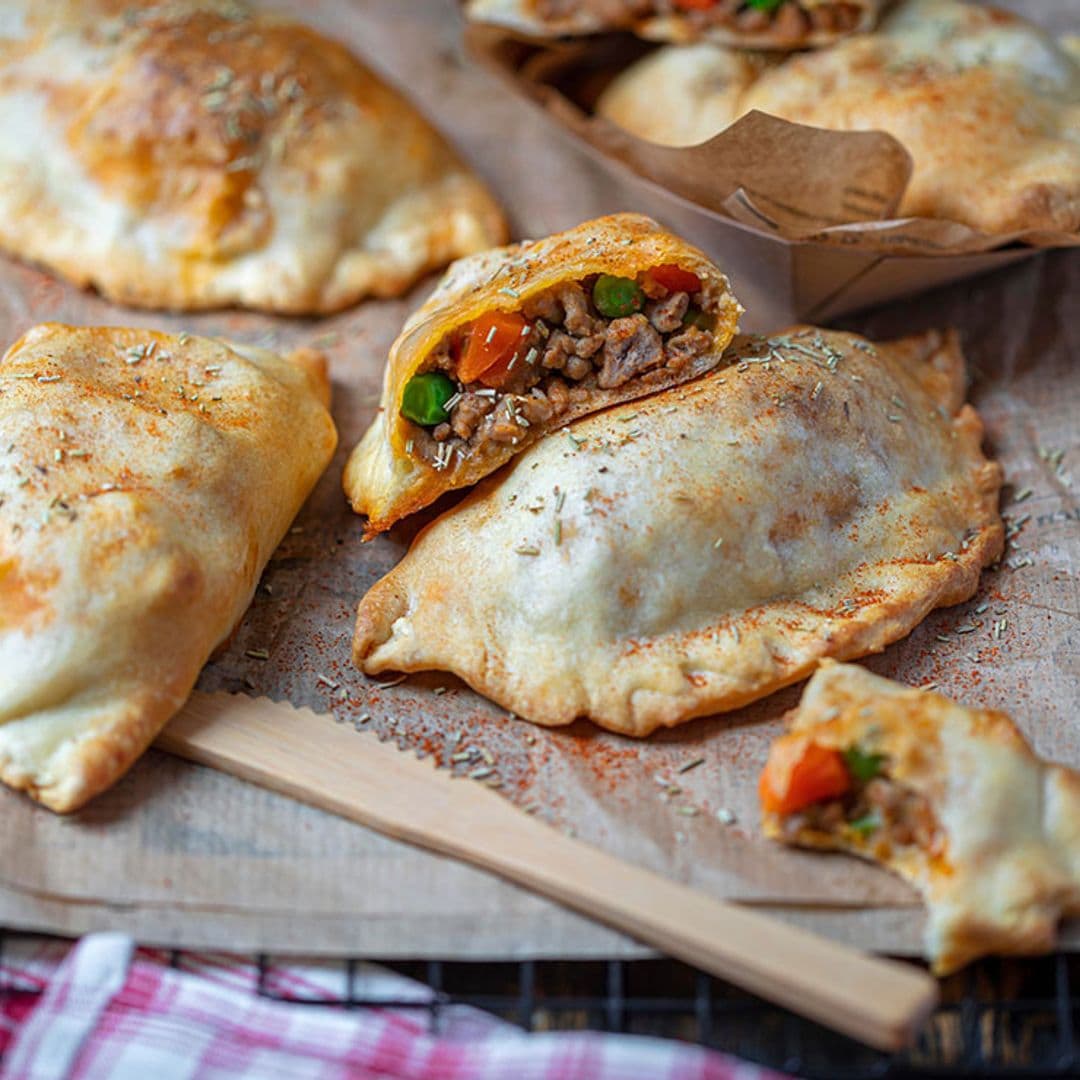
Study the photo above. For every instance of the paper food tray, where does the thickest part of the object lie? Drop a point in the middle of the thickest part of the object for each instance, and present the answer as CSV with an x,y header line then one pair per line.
x,y
762,197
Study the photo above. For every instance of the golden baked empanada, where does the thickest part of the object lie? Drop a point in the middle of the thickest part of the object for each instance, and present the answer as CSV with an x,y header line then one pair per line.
x,y
192,154
950,798
145,480
691,552
987,105
519,341
750,24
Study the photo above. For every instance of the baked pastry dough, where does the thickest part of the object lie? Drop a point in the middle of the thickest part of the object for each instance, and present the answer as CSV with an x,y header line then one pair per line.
x,y
950,798
189,154
785,24
692,552
529,313
987,104
145,481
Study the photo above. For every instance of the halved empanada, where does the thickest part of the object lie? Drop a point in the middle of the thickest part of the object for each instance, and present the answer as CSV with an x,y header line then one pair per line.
x,y
749,24
519,341
689,553
145,481
987,104
950,798
194,154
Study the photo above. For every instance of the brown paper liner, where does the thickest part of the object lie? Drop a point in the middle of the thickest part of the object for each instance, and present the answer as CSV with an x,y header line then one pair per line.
x,y
794,183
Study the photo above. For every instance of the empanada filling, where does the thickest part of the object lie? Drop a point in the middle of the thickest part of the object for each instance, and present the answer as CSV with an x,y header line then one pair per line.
x,y
510,374
847,798
782,19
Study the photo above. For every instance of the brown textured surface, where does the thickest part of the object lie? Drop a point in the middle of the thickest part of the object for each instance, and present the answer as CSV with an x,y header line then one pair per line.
x,y
176,853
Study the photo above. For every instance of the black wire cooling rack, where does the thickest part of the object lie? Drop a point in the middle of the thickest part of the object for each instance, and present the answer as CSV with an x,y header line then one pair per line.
x,y
998,1018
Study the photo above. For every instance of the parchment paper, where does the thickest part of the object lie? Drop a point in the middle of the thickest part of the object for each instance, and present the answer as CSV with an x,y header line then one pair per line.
x,y
179,855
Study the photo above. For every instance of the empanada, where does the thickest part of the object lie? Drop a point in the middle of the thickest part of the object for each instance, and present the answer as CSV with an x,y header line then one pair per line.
x,y
192,154
987,105
519,341
750,24
691,552
145,480
950,798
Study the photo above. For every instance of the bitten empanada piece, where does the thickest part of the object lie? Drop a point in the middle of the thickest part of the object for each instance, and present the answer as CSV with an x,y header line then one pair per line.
x,y
145,480
192,154
521,340
950,798
987,104
788,24
686,554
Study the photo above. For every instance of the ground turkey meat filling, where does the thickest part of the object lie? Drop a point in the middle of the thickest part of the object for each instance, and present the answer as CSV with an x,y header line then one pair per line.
x,y
487,384
877,811
786,19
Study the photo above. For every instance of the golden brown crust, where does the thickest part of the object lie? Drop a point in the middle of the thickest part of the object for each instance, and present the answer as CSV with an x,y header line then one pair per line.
x,y
192,155
314,365
146,480
985,102
713,542
1006,862
382,480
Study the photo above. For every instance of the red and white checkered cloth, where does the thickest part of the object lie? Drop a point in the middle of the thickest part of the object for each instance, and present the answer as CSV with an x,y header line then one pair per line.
x,y
102,1009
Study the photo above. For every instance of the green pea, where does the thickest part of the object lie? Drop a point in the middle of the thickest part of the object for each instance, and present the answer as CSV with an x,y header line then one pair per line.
x,y
862,764
425,398
765,5
866,825
615,297
696,317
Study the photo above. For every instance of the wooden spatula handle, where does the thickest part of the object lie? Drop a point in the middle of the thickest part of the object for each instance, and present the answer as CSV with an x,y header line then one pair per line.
x,y
311,758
